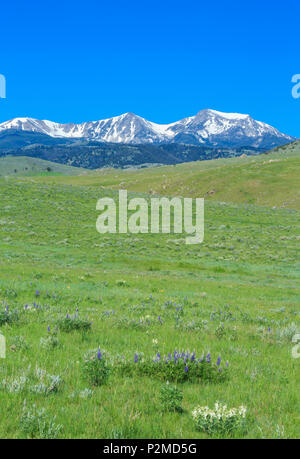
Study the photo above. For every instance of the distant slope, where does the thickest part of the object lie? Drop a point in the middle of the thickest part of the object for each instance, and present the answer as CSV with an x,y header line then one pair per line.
x,y
25,166
266,180
95,155
13,139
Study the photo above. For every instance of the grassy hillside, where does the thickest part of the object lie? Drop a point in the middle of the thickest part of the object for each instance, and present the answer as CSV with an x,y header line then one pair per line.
x,y
26,166
265,180
236,296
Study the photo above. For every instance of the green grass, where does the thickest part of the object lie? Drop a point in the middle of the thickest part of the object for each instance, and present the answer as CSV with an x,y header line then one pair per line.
x,y
26,166
246,272
265,180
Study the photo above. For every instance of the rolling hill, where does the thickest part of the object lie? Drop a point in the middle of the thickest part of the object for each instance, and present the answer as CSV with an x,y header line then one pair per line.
x,y
270,179
26,166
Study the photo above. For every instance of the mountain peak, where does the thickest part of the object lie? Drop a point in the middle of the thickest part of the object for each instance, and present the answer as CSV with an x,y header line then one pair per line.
x,y
229,116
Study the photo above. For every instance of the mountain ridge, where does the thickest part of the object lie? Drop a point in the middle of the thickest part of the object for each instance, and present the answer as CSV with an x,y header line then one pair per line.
x,y
208,127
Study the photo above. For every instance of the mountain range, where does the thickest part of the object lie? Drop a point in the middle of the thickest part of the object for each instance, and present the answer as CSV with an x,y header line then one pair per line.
x,y
208,128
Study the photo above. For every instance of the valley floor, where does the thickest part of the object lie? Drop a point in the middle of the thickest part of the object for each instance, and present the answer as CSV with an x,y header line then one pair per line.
x,y
236,296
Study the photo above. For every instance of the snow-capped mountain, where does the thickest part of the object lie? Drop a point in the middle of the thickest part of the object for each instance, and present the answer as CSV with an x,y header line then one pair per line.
x,y
208,127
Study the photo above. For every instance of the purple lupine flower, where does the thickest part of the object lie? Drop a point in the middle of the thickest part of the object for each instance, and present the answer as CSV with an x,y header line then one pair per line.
x,y
269,329
67,316
220,369
99,355
219,360
48,328
159,319
26,307
136,358
158,356
227,364
186,369
208,358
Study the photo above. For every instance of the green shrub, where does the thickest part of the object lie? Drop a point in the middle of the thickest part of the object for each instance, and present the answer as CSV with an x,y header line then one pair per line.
x,y
95,368
171,397
7,316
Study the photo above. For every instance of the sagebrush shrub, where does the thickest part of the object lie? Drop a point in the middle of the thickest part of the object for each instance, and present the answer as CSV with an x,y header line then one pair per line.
x,y
36,423
50,342
19,343
39,382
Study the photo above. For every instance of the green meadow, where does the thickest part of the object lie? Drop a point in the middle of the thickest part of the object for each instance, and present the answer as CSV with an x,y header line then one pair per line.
x,y
236,296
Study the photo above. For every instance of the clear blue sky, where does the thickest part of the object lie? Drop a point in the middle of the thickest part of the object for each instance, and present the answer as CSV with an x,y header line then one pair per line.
x,y
164,60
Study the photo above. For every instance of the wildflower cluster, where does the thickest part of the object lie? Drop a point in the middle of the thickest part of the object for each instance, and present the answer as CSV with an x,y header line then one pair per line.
x,y
7,316
178,366
95,368
74,322
51,341
219,420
